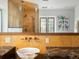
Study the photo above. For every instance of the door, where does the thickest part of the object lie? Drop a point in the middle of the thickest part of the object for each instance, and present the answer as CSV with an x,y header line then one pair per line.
x,y
0,18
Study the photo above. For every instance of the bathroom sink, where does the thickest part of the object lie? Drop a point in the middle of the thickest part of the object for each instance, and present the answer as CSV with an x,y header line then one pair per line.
x,y
26,53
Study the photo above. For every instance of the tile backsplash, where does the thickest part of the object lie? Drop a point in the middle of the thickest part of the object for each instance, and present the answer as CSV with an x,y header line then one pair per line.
x,y
39,41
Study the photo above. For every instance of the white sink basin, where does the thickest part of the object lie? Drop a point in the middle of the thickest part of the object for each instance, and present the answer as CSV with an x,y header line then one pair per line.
x,y
28,53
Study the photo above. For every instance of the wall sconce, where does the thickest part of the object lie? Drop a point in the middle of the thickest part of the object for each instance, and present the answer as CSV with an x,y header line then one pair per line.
x,y
47,40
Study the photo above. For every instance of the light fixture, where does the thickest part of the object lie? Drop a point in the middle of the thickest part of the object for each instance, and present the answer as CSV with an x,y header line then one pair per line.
x,y
44,6
45,0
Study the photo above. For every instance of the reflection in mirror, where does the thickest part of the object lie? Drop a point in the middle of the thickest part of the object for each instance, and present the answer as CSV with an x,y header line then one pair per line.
x,y
22,15
14,15
28,15
47,24
15,11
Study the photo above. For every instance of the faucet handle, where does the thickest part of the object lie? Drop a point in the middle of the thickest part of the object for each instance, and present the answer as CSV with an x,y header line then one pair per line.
x,y
26,38
30,38
35,38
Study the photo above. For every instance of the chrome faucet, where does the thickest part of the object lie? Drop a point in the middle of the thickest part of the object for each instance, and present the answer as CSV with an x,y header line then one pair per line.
x,y
30,38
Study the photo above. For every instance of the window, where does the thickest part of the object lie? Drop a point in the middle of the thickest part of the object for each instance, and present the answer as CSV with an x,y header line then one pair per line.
x,y
47,24
63,24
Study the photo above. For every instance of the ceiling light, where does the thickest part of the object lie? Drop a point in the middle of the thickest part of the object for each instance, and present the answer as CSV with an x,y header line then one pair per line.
x,y
45,0
44,6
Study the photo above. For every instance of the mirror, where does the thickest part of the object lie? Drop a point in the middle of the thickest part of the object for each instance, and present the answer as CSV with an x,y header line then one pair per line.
x,y
43,16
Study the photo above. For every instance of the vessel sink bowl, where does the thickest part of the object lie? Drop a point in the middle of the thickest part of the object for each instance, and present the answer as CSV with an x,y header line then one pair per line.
x,y
28,53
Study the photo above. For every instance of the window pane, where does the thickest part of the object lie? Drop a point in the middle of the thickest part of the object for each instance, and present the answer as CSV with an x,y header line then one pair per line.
x,y
47,24
50,25
43,25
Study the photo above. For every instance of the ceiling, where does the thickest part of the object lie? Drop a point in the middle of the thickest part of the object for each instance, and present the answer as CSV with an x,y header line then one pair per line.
x,y
55,4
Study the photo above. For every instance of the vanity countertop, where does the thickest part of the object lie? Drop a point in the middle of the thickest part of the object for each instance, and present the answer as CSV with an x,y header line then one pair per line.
x,y
24,33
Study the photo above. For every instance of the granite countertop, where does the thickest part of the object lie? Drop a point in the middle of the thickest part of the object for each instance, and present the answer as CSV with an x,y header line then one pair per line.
x,y
4,49
24,33
63,52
